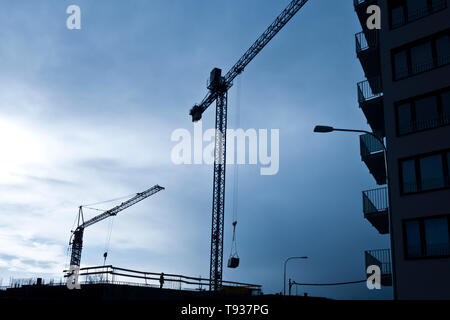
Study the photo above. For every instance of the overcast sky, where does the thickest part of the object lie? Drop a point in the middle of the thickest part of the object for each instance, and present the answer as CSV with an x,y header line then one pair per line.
x,y
87,115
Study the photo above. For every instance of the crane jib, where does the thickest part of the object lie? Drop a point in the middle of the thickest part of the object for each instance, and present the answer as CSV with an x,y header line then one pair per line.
x,y
77,243
112,212
257,46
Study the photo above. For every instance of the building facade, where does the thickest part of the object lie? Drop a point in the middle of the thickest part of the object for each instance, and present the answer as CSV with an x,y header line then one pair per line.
x,y
406,100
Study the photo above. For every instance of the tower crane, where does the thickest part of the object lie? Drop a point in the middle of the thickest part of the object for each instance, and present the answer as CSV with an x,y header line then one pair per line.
x,y
77,242
218,87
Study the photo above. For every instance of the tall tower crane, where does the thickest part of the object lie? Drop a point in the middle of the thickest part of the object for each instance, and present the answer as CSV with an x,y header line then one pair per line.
x,y
77,243
218,87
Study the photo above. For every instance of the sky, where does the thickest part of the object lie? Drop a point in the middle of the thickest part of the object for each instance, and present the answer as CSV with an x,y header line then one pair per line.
x,y
87,115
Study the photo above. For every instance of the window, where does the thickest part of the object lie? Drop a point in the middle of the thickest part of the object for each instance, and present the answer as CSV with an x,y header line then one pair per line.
x,y
424,173
431,172
397,16
405,120
443,50
436,237
409,181
406,11
427,237
413,241
423,113
448,168
416,9
422,56
426,113
401,64
445,98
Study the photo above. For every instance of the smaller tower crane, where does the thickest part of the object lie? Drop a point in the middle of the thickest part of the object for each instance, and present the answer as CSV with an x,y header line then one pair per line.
x,y
77,235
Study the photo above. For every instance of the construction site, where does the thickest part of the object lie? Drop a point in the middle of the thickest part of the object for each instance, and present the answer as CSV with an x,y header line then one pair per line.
x,y
107,282
110,104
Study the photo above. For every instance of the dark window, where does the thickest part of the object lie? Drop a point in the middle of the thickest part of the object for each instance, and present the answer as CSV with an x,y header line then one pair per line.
x,y
413,241
406,11
431,172
405,119
445,98
448,168
427,237
443,50
421,57
397,16
409,181
427,113
423,113
436,236
401,64
423,173
416,9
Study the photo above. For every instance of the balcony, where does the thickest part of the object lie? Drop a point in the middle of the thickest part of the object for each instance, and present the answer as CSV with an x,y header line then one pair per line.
x,y
368,52
370,98
375,207
372,153
361,10
381,258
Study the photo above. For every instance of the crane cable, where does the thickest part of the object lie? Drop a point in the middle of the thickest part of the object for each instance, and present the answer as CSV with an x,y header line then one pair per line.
x,y
108,239
111,222
106,201
234,253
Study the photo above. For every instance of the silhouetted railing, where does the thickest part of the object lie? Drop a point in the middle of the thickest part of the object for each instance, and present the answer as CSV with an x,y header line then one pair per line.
x,y
366,89
375,201
381,258
115,275
364,41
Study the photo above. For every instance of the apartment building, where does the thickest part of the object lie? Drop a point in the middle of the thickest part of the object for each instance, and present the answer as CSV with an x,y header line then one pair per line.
x,y
406,100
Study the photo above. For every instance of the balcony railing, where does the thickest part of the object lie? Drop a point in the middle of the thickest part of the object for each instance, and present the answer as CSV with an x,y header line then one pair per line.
x,y
369,145
382,259
367,89
366,40
375,201
375,207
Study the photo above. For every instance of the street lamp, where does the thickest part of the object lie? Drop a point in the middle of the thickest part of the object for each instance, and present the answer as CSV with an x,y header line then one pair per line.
x,y
327,129
285,262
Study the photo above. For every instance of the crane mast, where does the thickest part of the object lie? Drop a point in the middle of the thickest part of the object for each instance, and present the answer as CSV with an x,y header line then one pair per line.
x,y
218,86
77,243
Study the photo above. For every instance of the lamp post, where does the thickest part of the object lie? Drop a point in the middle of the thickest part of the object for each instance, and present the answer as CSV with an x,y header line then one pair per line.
x,y
327,129
285,262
